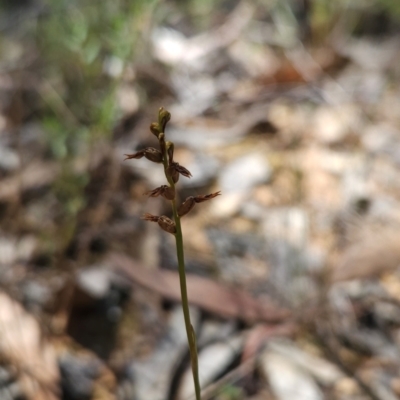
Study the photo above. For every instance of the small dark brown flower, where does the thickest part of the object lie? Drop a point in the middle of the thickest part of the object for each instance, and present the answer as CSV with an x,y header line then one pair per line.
x,y
155,129
173,173
183,171
169,193
164,190
153,154
150,217
186,206
175,169
167,224
205,197
150,153
163,117
138,154
155,192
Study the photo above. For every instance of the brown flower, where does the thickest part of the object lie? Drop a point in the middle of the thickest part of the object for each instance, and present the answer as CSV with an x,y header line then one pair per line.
x,y
169,193
164,222
150,217
164,190
138,154
153,154
182,170
173,173
150,153
167,224
155,192
205,197
175,169
190,202
186,206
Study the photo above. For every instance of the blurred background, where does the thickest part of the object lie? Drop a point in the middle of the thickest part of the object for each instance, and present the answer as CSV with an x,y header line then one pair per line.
x,y
290,108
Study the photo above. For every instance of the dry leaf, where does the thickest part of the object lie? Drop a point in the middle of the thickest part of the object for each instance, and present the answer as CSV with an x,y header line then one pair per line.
x,y
204,293
260,333
376,253
23,346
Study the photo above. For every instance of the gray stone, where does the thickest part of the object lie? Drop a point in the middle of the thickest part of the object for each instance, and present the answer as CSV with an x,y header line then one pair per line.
x,y
152,377
244,173
95,281
287,380
213,361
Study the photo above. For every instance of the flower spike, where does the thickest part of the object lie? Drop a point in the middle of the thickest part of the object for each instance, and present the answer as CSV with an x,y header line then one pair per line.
x,y
165,154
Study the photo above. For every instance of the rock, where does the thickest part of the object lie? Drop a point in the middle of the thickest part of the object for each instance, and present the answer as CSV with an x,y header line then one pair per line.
x,y
236,181
203,168
371,54
287,380
36,294
244,173
213,361
382,139
331,125
286,231
153,377
322,370
98,299
240,257
214,330
77,376
9,160
95,281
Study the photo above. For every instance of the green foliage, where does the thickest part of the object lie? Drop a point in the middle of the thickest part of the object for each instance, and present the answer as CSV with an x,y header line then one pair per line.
x,y
84,47
78,40
231,392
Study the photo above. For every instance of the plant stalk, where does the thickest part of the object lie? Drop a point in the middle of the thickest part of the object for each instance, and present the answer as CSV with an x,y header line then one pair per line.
x,y
191,336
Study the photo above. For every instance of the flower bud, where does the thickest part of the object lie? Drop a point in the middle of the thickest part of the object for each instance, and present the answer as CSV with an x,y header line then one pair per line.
x,y
166,224
186,206
163,117
155,129
153,154
170,151
161,139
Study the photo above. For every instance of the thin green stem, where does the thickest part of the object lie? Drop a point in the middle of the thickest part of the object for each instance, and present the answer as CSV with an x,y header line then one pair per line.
x,y
191,336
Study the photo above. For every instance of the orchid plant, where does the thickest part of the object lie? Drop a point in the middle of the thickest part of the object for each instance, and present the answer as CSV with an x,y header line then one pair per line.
x,y
172,169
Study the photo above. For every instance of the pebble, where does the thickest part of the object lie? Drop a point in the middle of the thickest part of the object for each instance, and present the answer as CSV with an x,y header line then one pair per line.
x,y
322,370
213,361
152,377
287,380
95,281
244,173
78,376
